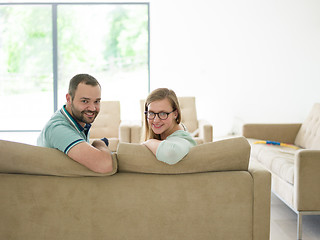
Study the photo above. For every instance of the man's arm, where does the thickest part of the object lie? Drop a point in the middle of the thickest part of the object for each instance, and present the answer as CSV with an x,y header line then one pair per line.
x,y
97,157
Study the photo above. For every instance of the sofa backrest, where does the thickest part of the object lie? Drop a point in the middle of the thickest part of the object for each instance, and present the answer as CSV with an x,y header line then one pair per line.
x,y
309,133
28,159
226,155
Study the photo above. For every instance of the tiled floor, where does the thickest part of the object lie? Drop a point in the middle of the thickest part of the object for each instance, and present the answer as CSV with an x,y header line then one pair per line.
x,y
283,224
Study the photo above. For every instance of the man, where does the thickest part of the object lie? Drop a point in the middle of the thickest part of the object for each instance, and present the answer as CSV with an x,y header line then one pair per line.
x,y
68,128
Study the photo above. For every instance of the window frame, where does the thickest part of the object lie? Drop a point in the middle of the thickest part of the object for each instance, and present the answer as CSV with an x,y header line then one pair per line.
x,y
54,11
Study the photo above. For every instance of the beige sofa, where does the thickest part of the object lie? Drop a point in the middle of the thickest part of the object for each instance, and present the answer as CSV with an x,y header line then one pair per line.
x,y
210,194
295,172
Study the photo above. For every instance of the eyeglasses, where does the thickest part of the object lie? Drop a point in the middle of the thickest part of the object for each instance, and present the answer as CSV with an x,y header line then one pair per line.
x,y
162,115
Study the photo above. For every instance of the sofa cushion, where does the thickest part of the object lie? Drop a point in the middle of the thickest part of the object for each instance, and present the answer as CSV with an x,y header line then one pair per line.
x,y
107,122
277,159
28,159
189,114
309,133
229,154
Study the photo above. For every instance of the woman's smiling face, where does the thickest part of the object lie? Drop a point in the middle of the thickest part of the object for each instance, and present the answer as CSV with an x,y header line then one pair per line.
x,y
158,126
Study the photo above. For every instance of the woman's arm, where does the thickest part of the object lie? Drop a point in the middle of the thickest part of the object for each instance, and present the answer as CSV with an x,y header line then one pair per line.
x,y
153,145
173,150
169,151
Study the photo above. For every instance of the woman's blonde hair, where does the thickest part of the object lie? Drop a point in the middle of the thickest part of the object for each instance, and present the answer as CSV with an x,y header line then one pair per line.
x,y
160,94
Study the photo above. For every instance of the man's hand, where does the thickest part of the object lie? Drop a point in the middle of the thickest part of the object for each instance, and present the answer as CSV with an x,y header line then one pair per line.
x,y
106,141
100,144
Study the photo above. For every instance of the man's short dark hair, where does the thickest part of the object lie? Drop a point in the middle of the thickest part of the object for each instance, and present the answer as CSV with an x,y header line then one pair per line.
x,y
81,78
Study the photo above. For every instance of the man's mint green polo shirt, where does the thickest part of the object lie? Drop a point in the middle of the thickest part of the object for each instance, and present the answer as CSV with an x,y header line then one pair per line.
x,y
63,132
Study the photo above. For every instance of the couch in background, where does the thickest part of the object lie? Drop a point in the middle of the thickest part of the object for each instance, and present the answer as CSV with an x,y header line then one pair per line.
x,y
295,168
108,124
210,194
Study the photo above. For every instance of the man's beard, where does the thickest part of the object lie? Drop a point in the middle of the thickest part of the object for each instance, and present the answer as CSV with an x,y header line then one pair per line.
x,y
80,116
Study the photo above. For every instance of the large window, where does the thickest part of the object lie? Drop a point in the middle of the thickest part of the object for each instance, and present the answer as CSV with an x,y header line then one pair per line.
x,y
43,45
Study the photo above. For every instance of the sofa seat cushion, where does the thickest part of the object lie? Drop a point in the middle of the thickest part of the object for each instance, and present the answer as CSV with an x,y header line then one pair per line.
x,y
226,155
278,160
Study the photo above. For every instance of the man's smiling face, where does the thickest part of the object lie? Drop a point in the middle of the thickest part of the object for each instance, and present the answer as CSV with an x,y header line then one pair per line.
x,y
85,105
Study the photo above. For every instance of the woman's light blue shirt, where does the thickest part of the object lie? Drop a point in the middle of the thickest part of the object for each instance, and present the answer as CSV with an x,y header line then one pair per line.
x,y
175,147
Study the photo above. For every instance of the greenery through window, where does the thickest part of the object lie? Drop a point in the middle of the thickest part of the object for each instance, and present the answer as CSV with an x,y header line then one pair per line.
x,y
109,41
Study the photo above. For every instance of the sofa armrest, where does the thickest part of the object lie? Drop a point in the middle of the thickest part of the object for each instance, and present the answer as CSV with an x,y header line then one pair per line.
x,y
205,131
262,199
124,132
274,132
307,180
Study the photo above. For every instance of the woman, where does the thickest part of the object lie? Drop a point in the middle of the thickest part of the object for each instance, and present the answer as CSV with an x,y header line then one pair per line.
x,y
164,135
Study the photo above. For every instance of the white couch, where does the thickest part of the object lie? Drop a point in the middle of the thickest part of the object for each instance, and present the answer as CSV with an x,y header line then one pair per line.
x,y
295,172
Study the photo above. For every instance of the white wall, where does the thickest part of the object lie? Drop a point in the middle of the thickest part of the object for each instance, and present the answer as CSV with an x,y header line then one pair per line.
x,y
245,61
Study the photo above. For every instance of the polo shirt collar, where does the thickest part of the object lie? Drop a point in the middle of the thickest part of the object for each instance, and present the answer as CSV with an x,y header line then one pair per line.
x,y
74,123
